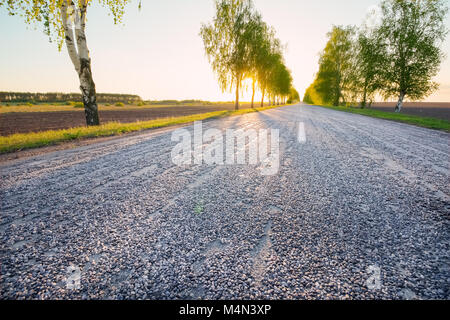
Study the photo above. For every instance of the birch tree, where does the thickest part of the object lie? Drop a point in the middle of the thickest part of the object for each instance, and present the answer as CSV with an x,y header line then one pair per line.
x,y
268,56
64,21
280,82
368,68
256,34
293,95
227,45
412,31
369,59
336,66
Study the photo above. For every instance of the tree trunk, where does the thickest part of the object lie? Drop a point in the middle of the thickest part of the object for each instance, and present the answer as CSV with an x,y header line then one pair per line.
x,y
336,102
79,55
262,99
236,103
364,102
337,96
399,105
87,87
253,92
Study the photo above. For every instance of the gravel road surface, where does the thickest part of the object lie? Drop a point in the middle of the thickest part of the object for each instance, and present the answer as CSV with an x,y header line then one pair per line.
x,y
359,209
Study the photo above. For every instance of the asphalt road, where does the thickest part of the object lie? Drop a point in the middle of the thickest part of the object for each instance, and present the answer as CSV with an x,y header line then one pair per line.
x,y
358,210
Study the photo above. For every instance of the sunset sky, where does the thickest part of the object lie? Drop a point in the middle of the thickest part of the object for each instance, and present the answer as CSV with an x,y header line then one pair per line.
x,y
158,54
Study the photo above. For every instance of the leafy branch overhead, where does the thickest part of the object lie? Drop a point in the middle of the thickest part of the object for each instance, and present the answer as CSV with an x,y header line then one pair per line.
x,y
47,13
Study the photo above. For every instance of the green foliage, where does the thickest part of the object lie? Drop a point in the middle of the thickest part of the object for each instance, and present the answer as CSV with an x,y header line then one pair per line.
x,y
294,96
279,82
397,57
66,98
47,13
311,96
199,207
410,34
119,104
226,41
367,78
78,105
240,45
336,66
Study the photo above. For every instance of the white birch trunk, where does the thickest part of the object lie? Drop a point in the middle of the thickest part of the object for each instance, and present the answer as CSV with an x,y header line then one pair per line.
x,y
399,105
69,38
80,59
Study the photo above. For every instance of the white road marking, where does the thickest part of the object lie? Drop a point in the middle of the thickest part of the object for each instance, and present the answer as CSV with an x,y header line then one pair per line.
x,y
301,132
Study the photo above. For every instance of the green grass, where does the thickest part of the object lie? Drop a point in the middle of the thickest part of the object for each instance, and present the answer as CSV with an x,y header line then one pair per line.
x,y
431,123
21,141
78,105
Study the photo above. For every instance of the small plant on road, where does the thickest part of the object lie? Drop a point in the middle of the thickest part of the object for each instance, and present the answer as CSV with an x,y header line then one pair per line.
x,y
199,207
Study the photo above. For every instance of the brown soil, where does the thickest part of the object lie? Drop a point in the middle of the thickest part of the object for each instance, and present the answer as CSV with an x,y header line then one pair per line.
x,y
439,110
21,122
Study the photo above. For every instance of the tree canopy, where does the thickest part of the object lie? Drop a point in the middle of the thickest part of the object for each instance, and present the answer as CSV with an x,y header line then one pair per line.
x,y
48,13
410,34
397,57
240,45
336,65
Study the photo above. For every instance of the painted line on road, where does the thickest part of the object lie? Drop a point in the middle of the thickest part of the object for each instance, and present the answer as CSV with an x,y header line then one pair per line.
x,y
301,132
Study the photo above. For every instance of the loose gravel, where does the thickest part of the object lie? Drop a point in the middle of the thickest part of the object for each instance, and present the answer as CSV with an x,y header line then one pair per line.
x,y
360,194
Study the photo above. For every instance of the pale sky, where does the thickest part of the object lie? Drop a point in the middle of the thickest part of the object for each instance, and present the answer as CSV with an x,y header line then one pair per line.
x,y
158,54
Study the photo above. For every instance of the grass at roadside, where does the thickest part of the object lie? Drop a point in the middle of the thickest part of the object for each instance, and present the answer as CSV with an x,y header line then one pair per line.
x,y
20,141
431,123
